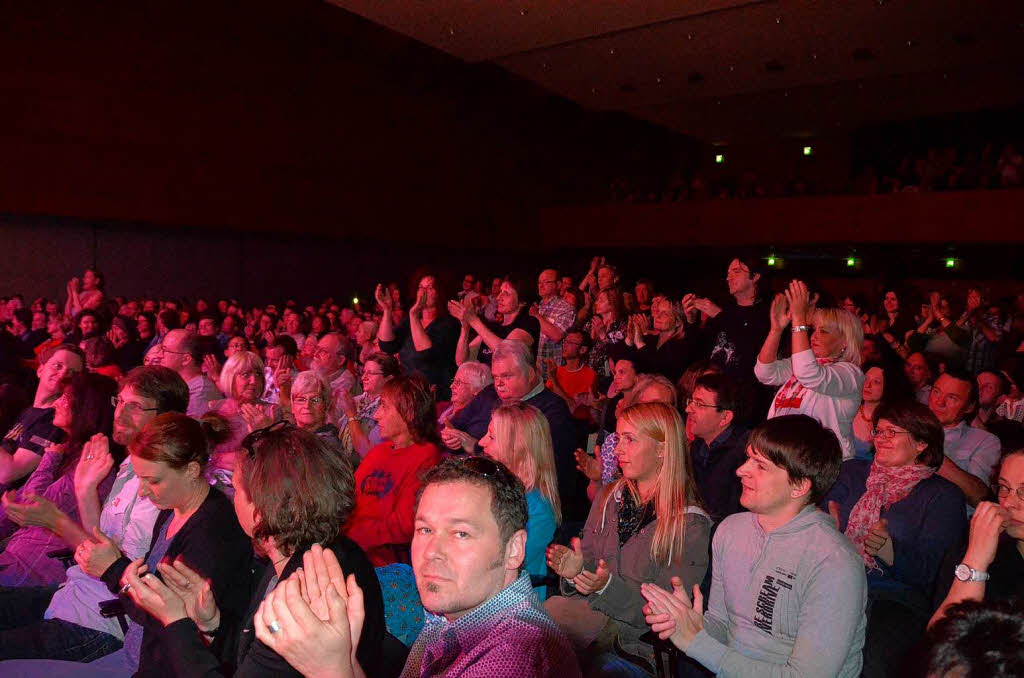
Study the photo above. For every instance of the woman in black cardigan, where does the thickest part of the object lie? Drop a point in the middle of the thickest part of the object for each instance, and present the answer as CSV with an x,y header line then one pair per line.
x,y
195,526
291,491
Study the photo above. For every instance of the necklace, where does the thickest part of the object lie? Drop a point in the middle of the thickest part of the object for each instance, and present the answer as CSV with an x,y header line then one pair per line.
x,y
860,413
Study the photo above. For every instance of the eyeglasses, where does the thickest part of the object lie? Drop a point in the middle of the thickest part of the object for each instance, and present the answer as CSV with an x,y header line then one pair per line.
x,y
888,433
373,374
459,382
249,442
164,349
1004,491
311,401
697,403
130,407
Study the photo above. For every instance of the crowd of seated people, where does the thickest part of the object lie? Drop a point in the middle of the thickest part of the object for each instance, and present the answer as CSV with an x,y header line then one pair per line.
x,y
612,481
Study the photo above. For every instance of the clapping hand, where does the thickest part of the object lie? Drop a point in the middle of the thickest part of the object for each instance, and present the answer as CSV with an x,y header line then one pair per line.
x,y
96,554
255,417
588,582
94,463
211,366
779,313
194,591
152,595
588,465
799,299
313,645
416,310
707,307
33,511
454,439
671,615
534,310
566,562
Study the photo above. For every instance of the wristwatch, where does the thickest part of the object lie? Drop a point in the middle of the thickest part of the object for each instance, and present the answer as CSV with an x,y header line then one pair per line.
x,y
965,572
801,328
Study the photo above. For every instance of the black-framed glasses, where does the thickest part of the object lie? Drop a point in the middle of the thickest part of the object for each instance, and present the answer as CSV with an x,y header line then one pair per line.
x,y
692,401
249,442
1003,491
888,433
130,407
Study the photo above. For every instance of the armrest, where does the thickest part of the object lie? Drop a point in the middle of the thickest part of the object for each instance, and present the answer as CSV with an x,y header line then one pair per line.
x,y
65,556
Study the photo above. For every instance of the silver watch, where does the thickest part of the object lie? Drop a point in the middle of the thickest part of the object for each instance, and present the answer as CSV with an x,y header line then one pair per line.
x,y
965,572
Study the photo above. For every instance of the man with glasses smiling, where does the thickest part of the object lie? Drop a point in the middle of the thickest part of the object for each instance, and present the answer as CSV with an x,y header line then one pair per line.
x,y
715,415
65,623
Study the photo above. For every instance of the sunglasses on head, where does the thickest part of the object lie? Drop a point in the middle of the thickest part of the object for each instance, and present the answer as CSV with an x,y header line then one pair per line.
x,y
249,442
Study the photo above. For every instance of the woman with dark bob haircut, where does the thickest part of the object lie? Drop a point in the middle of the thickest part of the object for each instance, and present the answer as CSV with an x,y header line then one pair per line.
x,y
292,490
903,518
388,478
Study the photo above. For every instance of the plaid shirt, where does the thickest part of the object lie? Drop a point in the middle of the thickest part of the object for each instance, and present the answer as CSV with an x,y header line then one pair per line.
x,y
559,313
509,636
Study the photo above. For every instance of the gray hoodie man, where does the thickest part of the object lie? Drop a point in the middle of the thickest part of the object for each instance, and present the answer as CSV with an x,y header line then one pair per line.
x,y
784,603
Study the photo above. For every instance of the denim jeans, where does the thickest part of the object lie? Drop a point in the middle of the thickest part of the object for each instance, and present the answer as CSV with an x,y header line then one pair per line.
x,y
24,634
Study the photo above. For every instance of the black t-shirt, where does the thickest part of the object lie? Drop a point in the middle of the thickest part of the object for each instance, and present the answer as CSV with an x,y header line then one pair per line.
x,y
735,337
523,321
34,431
1006,572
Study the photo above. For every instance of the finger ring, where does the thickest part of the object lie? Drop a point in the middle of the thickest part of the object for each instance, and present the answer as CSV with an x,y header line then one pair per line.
x,y
186,585
126,588
274,627
88,456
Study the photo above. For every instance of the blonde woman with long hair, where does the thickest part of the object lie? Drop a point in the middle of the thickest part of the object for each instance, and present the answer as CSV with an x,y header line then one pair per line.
x,y
519,437
647,526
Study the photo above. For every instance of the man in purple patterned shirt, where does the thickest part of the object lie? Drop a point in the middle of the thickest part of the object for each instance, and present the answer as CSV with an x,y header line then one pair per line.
x,y
482,616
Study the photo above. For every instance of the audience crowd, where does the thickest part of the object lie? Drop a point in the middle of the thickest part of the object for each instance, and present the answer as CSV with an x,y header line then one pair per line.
x,y
583,478
946,168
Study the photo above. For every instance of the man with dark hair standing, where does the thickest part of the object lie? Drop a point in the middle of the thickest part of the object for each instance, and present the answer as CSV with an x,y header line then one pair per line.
x,y
808,615
735,333
715,415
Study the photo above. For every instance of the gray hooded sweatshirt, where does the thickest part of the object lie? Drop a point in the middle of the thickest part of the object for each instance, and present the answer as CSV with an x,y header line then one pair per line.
x,y
785,603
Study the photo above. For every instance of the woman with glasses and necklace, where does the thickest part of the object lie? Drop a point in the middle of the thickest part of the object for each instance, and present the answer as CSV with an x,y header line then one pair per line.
x,y
358,429
904,519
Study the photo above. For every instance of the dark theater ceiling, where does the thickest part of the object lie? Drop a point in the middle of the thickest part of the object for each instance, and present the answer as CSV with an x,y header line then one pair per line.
x,y
726,70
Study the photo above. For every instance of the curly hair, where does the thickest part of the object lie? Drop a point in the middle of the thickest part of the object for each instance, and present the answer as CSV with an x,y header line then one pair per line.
x,y
302,490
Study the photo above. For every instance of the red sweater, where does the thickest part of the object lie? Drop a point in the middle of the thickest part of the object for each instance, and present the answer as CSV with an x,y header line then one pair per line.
x,y
387,481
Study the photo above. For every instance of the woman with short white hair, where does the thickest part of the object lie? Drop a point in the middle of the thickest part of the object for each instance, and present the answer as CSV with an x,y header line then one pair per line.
x,y
471,378
822,378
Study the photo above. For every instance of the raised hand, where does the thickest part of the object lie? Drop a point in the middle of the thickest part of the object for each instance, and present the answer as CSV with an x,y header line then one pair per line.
x,y
211,366
194,591
590,466
320,570
96,554
988,522
671,615
383,298
566,562
799,299
534,310
878,543
779,313
707,307
416,310
94,463
591,582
